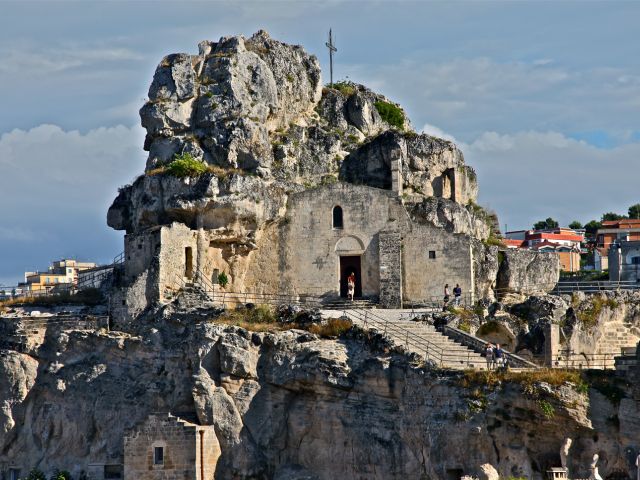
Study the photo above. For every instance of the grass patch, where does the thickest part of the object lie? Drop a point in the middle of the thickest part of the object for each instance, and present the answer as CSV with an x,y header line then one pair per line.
x,y
332,329
90,297
184,165
262,318
547,409
526,379
589,311
492,240
390,113
465,317
345,88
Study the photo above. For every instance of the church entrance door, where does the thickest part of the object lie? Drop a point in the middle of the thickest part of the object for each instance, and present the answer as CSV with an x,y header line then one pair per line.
x,y
349,265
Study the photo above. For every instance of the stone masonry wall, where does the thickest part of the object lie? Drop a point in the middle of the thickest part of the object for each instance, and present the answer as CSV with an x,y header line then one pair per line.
x,y
431,258
390,270
181,442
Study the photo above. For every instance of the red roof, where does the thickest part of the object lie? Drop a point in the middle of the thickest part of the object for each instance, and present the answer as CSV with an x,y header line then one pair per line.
x,y
625,223
513,243
556,236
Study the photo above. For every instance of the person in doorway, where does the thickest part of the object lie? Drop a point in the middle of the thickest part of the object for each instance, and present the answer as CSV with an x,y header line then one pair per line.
x,y
457,294
488,355
499,354
351,285
447,297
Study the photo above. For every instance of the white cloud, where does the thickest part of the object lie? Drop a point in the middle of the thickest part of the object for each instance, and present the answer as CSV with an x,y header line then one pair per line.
x,y
55,188
531,175
437,132
27,60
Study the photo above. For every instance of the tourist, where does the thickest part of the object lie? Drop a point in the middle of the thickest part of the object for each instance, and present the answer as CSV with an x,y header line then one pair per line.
x,y
351,285
446,296
457,293
499,354
488,354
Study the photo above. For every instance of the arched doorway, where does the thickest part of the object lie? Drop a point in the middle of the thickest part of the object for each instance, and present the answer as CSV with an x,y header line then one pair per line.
x,y
348,265
350,250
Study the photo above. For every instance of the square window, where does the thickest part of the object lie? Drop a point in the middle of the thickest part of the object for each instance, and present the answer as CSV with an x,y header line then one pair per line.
x,y
158,455
432,254
14,474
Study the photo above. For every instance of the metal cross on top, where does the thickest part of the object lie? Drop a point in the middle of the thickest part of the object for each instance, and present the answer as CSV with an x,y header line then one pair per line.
x,y
332,48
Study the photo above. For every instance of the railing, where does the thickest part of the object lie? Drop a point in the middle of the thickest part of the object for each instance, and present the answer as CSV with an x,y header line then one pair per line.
x,y
479,345
419,344
436,302
585,361
593,286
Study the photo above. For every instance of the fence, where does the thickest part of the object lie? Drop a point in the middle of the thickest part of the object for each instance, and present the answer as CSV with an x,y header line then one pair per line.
x,y
565,286
584,361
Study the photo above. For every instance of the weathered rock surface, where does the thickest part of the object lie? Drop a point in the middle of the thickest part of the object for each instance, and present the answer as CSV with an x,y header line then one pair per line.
x,y
256,110
290,405
527,272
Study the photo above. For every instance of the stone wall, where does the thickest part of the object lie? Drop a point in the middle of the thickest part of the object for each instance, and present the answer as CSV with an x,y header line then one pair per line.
x,y
190,451
310,248
390,244
431,258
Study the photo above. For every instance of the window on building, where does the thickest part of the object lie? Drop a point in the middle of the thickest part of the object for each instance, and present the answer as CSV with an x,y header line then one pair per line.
x,y
214,276
337,217
158,456
14,474
432,254
635,260
57,280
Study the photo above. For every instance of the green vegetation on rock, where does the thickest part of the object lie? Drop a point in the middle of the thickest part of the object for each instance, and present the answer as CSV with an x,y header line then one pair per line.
x,y
184,165
390,113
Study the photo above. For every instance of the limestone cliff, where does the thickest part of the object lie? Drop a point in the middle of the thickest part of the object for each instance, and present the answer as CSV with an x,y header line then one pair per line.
x,y
290,401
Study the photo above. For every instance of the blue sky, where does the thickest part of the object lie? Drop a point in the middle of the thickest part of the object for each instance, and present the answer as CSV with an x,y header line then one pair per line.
x,y
542,97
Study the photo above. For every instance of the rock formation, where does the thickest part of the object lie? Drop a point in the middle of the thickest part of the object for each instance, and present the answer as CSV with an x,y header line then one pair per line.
x,y
293,402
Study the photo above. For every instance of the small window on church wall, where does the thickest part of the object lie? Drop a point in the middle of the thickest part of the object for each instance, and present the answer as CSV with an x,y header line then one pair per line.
x,y
337,217
432,254
158,456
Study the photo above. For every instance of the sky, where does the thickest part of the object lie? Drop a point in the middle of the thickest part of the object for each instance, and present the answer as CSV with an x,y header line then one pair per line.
x,y
543,98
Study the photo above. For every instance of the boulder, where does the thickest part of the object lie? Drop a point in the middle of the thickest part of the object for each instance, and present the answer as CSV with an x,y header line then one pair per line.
x,y
527,272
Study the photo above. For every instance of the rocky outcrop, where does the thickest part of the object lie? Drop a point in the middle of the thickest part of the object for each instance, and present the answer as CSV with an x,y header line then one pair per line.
x,y
289,403
254,111
527,272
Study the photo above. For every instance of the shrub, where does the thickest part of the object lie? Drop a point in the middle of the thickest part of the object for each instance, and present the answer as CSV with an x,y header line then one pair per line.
x,y
390,113
589,311
344,87
333,328
223,280
61,475
547,409
493,241
184,165
36,474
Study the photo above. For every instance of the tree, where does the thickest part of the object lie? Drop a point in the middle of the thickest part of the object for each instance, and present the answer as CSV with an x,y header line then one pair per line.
x,y
611,216
634,211
575,225
548,223
592,227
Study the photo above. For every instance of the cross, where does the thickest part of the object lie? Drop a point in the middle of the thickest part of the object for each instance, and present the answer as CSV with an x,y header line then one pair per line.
x,y
319,263
332,48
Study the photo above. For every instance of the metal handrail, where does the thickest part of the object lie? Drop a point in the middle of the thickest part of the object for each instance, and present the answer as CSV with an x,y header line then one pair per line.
x,y
478,344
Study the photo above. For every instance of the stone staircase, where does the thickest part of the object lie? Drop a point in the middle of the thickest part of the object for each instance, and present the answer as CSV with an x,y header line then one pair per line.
x,y
343,303
416,337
